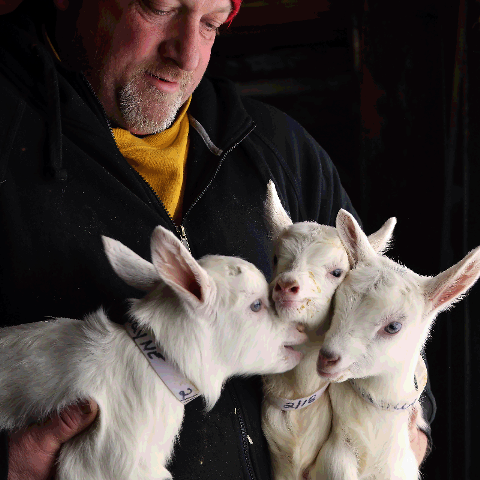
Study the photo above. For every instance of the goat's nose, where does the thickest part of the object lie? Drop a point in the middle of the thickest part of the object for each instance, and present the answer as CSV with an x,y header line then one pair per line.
x,y
287,286
326,358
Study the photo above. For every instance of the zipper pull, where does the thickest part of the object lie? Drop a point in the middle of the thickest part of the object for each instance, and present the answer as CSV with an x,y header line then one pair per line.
x,y
183,238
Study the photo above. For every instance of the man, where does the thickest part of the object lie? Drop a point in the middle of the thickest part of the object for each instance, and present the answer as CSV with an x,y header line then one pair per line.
x,y
108,127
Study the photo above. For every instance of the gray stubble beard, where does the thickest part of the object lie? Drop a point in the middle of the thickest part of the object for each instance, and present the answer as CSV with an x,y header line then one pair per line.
x,y
135,106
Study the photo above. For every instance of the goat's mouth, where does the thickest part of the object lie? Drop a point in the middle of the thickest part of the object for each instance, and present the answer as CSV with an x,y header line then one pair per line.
x,y
336,377
330,376
287,304
302,338
293,308
290,352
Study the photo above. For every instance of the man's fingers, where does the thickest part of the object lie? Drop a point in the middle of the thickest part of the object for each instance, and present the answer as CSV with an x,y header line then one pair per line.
x,y
57,429
419,444
33,450
73,420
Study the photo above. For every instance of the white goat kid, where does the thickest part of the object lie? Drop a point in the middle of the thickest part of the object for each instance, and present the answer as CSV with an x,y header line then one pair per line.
x,y
382,318
211,319
309,263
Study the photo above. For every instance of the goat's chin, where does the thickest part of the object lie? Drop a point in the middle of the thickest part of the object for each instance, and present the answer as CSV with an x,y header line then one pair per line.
x,y
290,358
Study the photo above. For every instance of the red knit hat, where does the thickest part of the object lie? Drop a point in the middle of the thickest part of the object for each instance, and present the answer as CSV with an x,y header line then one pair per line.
x,y
235,9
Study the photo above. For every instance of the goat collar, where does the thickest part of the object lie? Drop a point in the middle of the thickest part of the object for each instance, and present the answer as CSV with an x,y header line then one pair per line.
x,y
287,405
382,404
168,373
420,373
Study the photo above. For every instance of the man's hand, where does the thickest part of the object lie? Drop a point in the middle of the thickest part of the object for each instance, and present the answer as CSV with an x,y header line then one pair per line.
x,y
418,440
34,450
419,444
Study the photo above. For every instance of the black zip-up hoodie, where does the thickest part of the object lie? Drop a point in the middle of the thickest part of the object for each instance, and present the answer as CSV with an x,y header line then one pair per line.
x,y
64,183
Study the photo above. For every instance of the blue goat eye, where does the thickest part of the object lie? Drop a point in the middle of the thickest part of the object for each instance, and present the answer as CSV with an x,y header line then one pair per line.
x,y
256,306
337,273
393,328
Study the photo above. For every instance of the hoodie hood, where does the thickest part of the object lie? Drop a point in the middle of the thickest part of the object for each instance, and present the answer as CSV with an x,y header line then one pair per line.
x,y
46,85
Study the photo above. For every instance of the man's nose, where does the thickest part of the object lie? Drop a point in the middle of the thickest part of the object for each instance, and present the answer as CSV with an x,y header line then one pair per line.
x,y
183,46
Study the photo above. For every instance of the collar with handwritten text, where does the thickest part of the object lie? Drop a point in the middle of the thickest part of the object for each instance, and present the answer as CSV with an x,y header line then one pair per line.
x,y
183,390
299,403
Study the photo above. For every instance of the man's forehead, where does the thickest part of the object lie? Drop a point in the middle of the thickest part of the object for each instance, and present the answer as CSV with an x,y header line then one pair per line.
x,y
220,6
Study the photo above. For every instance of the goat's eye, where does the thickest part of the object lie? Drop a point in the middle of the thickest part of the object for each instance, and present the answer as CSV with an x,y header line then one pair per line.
x,y
275,260
337,273
393,328
256,306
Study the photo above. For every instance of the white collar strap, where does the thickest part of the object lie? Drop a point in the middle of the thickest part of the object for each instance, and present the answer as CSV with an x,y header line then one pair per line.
x,y
287,405
170,376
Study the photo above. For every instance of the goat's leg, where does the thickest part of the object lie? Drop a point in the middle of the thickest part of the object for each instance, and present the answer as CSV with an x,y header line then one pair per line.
x,y
400,463
284,462
408,469
283,469
336,460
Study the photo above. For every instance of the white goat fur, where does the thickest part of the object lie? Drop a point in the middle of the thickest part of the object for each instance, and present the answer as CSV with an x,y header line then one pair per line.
x,y
306,256
199,312
368,442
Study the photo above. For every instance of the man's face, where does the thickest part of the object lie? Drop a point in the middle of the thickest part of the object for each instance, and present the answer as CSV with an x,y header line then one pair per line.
x,y
143,58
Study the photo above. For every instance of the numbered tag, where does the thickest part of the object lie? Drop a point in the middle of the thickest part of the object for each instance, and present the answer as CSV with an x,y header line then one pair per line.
x,y
299,403
183,390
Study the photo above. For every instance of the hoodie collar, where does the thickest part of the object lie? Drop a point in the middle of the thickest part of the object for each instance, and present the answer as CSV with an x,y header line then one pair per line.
x,y
217,107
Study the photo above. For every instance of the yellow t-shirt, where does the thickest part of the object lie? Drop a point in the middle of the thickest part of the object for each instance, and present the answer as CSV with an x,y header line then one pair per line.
x,y
160,159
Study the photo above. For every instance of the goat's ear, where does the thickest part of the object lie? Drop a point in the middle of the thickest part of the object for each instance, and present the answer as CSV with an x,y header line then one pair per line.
x,y
451,285
353,238
276,216
380,240
130,267
178,269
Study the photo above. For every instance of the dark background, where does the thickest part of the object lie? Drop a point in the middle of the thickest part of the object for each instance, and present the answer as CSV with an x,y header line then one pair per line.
x,y
390,90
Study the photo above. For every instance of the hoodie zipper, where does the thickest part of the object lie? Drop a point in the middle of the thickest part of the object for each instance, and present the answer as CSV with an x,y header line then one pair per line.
x,y
222,159
179,229
243,434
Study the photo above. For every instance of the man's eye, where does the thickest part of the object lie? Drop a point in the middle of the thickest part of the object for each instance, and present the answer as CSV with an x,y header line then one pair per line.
x,y
150,4
256,306
210,26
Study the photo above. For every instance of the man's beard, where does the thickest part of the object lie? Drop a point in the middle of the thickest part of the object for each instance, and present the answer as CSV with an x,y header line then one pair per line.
x,y
145,109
